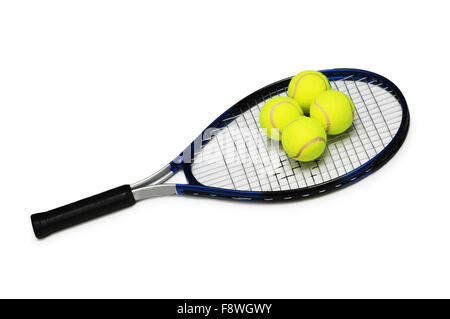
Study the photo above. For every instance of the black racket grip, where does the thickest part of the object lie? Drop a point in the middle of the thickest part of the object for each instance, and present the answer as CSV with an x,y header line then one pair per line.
x,y
47,223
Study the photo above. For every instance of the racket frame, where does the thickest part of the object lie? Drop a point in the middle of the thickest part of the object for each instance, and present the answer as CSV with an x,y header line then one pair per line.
x,y
194,187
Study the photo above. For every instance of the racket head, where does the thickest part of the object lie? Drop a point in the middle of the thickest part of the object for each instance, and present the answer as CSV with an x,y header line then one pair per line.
x,y
248,166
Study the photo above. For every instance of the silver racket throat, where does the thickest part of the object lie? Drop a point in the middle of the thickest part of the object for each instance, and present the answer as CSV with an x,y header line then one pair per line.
x,y
152,186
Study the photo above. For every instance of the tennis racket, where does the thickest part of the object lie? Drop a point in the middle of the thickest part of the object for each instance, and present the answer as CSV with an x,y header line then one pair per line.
x,y
233,159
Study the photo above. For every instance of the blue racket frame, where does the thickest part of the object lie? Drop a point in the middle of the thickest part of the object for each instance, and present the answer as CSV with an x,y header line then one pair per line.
x,y
185,159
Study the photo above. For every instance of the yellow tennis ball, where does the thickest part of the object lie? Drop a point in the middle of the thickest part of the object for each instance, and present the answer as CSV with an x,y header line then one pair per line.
x,y
334,110
276,114
305,86
304,139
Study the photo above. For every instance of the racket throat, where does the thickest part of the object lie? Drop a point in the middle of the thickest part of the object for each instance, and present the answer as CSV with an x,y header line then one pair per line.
x,y
154,191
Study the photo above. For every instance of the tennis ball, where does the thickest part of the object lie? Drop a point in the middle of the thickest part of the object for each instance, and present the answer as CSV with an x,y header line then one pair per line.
x,y
334,110
276,114
305,86
304,139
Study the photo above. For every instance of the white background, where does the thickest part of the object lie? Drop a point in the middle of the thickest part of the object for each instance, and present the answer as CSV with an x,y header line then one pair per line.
x,y
95,94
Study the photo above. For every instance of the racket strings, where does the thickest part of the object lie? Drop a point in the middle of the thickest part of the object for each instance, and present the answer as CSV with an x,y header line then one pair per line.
x,y
336,167
241,157
209,161
381,132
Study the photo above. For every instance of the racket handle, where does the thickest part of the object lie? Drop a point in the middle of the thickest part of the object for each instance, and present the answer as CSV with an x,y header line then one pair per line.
x,y
81,211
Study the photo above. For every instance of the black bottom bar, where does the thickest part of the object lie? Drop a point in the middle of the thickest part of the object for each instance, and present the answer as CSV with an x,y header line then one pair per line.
x,y
221,308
